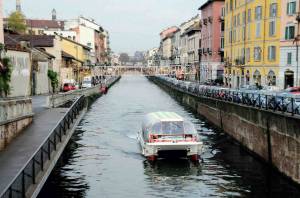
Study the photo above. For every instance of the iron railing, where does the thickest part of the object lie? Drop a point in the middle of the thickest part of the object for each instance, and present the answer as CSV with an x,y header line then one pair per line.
x,y
28,174
270,102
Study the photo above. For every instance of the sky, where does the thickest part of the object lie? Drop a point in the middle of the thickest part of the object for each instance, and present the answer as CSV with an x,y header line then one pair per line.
x,y
134,25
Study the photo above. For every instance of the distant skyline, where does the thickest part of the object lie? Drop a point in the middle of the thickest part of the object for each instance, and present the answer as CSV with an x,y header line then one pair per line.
x,y
134,25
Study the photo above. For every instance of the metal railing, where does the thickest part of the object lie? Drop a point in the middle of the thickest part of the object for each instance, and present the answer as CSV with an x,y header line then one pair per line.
x,y
275,103
28,174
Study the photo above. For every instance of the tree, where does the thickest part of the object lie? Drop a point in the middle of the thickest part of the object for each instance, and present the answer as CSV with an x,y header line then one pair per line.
x,y
17,22
124,58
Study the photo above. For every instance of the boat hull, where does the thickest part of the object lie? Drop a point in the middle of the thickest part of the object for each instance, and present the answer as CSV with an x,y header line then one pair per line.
x,y
171,149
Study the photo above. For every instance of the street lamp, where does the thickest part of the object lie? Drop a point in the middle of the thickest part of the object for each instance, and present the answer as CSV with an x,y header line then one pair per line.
x,y
297,39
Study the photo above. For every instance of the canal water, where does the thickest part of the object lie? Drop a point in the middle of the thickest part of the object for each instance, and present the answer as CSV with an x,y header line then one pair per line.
x,y
103,158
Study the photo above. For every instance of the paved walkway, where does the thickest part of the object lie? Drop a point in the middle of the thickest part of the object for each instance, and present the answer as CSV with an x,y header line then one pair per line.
x,y
39,103
19,151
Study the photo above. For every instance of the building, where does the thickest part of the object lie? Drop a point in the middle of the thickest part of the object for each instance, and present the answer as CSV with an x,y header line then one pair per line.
x,y
20,58
91,34
193,45
183,49
212,39
252,32
79,55
289,30
165,49
70,34
152,57
175,57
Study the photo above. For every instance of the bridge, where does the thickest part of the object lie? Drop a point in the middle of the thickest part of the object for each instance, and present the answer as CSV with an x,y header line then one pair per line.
x,y
130,70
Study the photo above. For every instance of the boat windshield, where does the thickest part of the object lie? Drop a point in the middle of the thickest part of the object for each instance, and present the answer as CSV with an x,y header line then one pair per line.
x,y
173,128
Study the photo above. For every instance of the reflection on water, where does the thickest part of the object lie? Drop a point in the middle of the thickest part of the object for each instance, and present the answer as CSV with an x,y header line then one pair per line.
x,y
104,160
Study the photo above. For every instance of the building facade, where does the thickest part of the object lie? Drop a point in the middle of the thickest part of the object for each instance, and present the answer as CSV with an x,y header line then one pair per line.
x,y
289,38
212,38
252,32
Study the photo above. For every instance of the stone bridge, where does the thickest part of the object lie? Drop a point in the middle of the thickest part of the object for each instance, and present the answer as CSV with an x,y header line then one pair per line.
x,y
130,70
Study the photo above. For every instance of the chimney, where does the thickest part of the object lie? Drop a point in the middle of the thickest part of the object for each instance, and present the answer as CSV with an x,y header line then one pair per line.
x,y
18,6
54,15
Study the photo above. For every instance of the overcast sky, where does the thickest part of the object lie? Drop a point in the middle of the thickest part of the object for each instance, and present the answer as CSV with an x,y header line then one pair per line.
x,y
133,24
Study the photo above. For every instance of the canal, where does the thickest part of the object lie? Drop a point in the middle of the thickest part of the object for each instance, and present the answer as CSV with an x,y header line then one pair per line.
x,y
103,157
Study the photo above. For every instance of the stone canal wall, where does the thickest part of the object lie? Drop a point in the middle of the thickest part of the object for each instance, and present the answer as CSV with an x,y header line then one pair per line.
x,y
60,99
275,137
15,115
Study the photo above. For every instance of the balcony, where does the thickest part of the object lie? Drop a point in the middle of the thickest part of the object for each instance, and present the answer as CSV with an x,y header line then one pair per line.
x,y
209,51
240,61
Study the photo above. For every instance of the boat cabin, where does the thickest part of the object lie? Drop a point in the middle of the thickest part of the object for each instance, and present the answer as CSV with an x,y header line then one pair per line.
x,y
167,126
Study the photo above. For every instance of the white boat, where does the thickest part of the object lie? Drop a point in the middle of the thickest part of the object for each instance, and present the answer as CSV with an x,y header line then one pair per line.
x,y
166,134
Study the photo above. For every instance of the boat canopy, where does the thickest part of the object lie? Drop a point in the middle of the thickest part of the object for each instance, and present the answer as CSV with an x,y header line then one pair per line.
x,y
166,123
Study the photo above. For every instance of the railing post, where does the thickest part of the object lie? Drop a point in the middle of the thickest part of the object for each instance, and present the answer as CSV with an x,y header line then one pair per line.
x,y
42,160
23,185
49,153
33,170
293,111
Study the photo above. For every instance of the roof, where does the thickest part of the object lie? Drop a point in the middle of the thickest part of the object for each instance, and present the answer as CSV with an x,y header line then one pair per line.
x,y
46,53
34,40
45,24
165,116
70,40
192,29
69,56
207,3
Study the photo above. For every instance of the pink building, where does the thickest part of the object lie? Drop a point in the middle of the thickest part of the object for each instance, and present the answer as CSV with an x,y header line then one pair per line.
x,y
212,40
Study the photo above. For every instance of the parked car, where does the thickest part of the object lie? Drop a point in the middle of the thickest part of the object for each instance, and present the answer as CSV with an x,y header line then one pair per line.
x,y
69,87
293,90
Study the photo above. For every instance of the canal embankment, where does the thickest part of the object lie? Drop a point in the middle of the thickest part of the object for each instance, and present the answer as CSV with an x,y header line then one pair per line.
x,y
273,136
28,160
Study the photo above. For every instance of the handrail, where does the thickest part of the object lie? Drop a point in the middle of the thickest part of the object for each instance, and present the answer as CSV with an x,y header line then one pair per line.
x,y
70,115
269,102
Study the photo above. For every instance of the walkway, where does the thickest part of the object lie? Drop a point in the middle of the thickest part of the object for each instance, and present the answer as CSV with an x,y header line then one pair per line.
x,y
13,158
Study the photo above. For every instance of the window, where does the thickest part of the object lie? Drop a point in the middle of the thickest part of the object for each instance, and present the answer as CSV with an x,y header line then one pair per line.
x,y
223,12
248,55
258,13
249,31
257,33
222,42
272,28
291,8
238,20
244,17
289,32
222,26
289,58
272,53
257,53
244,33
249,15
273,10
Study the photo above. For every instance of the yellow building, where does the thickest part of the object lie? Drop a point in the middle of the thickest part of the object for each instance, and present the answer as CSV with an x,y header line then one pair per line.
x,y
79,55
252,42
